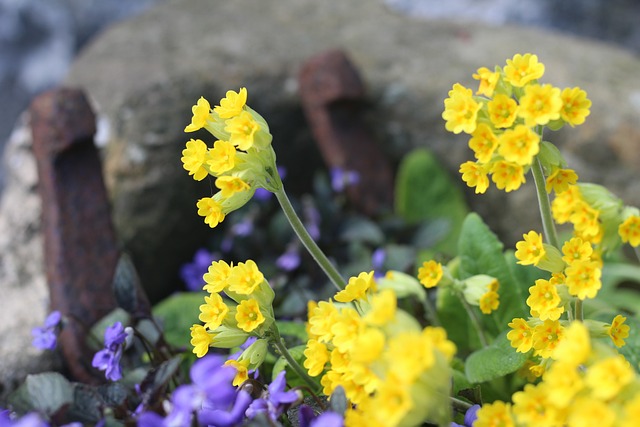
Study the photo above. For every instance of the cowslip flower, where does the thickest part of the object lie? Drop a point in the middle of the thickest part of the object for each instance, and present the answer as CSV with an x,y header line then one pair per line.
x,y
540,104
519,145
316,357
475,176
608,376
201,112
522,69
242,129
356,288
583,278
507,176
222,157
194,157
494,414
489,302
520,335
483,142
213,312
430,273
217,276
618,331
533,407
560,179
564,382
248,315
575,346
530,250
211,210
575,106
546,337
502,111
108,359
232,104
460,110
544,300
45,337
200,340
576,249
488,81
629,230
230,185
587,411
245,277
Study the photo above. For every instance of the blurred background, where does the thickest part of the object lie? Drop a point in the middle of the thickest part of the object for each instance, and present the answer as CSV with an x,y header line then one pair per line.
x,y
40,38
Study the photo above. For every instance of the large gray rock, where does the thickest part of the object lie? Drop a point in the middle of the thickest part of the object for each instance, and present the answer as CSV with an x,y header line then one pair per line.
x,y
145,74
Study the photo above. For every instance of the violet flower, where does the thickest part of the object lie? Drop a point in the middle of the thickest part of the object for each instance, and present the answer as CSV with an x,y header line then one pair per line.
x,y
276,400
311,218
469,417
191,273
108,359
211,397
341,179
31,419
326,419
290,259
377,262
46,337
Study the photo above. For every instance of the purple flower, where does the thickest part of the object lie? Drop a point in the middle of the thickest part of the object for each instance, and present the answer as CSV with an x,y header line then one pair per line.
x,y
276,400
311,218
327,419
108,359
469,417
211,396
341,179
290,260
377,262
191,273
45,337
29,420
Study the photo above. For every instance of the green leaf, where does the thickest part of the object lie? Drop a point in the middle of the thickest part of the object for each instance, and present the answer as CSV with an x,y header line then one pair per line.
x,y
360,229
294,329
480,252
177,314
455,321
425,191
497,360
45,393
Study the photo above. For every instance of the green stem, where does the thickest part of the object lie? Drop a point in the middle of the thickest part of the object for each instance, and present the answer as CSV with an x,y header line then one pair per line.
x,y
545,206
307,241
278,342
579,313
474,320
432,314
459,405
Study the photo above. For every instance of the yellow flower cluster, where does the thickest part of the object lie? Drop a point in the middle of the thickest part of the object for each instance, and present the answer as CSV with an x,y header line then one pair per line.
x,y
227,325
241,159
393,371
505,120
589,384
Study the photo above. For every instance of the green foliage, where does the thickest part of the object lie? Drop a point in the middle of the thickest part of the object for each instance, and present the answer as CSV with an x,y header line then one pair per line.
x,y
425,191
293,380
46,393
177,314
480,252
494,361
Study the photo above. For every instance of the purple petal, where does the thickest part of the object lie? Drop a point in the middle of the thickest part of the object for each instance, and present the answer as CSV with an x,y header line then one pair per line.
x,y
219,418
44,339
150,419
471,415
328,419
288,261
114,335
53,319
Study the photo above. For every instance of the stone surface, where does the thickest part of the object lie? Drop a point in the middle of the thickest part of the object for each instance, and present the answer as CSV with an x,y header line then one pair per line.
x,y
22,285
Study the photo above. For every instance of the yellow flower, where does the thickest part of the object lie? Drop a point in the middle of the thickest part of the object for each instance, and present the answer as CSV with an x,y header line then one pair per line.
x,y
575,346
222,157
242,128
608,376
540,105
232,104
530,251
194,157
230,185
214,310
502,111
520,335
460,110
522,69
560,179
618,331
346,329
217,276
546,337
483,143
316,357
519,145
321,320
242,371
589,412
201,112
507,176
575,106
629,231
475,175
383,308
489,302
356,288
544,300
488,80
368,346
408,354
438,338
583,279
564,382
576,249
585,219
245,278
565,203
430,273
533,407
200,340
211,210
496,414
248,315
631,412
